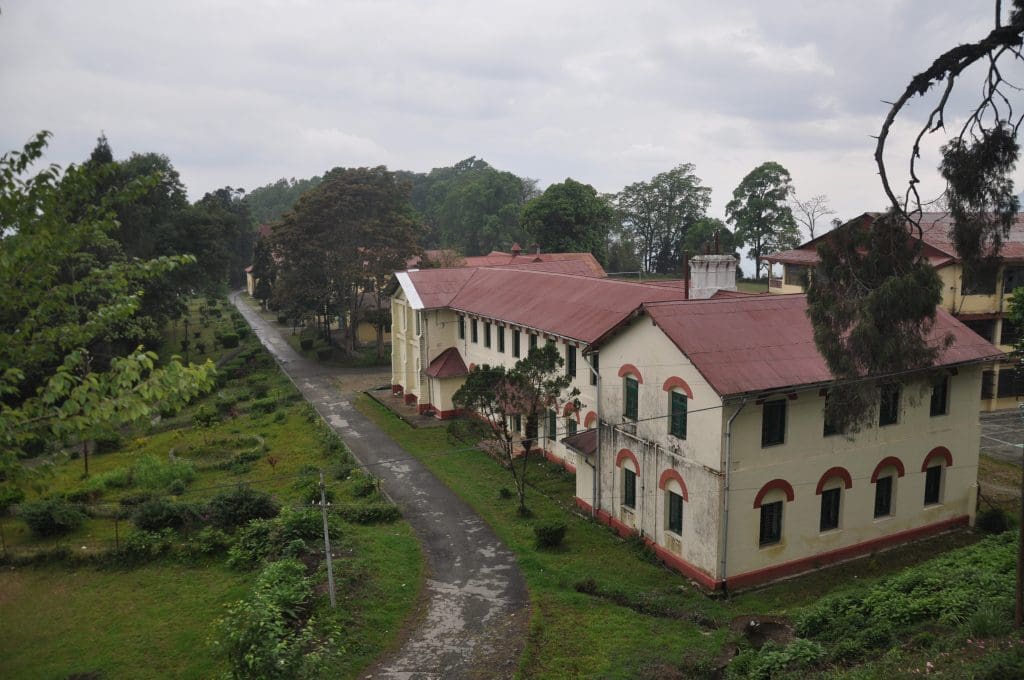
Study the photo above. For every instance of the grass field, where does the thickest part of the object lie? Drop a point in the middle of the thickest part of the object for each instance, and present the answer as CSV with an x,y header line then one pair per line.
x,y
154,620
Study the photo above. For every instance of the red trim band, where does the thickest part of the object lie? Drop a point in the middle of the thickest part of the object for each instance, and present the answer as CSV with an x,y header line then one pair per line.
x,y
771,486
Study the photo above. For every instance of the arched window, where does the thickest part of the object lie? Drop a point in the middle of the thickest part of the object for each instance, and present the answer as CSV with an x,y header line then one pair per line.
x,y
769,501
674,493
631,381
626,461
884,478
933,466
830,488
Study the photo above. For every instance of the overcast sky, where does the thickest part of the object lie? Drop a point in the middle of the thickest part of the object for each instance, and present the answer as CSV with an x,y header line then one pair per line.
x,y
609,93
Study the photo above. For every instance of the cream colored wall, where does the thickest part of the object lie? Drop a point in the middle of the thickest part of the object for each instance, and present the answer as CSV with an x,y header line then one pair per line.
x,y
405,354
807,454
697,458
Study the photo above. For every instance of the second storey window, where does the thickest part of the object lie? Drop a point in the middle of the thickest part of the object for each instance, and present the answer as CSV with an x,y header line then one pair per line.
x,y
501,338
570,361
940,397
771,523
773,422
462,327
533,341
595,361
570,426
631,397
474,331
677,414
487,334
552,424
515,344
889,405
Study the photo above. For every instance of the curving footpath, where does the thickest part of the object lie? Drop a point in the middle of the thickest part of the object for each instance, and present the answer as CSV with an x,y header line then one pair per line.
x,y
475,606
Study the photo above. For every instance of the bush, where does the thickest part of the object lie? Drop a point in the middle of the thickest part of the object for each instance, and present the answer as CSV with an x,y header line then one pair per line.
x,y
369,513
324,353
309,491
157,514
150,472
239,506
363,486
306,344
282,319
51,516
142,546
10,495
243,331
229,340
549,534
176,488
1001,665
107,441
225,402
204,417
504,493
987,623
133,499
993,521
772,661
263,406
209,541
286,534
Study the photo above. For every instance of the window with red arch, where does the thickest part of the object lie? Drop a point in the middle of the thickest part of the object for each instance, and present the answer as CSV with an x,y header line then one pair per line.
x,y
770,530
885,485
628,485
933,467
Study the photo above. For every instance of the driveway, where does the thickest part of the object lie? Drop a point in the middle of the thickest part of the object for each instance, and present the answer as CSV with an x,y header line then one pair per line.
x,y
476,606
1002,434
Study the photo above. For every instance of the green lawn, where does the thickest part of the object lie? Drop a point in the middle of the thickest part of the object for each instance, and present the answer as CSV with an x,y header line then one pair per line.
x,y
149,622
112,619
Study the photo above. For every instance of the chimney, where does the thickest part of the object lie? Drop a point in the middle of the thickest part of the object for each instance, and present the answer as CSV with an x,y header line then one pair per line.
x,y
536,248
516,250
711,273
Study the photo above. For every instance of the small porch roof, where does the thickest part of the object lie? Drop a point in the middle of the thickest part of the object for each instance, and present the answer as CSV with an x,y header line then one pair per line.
x,y
447,364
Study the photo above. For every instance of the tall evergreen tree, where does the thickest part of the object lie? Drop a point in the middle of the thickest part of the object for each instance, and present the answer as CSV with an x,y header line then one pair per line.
x,y
759,208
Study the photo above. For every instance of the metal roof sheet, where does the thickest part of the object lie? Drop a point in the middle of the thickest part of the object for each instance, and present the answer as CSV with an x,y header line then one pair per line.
x,y
447,364
765,342
585,442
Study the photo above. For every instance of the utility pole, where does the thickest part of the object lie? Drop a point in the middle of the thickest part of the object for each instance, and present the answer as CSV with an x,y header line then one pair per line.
x,y
1019,613
327,542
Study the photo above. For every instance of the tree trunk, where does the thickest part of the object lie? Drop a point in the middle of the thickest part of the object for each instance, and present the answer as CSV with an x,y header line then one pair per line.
x,y
1019,613
85,456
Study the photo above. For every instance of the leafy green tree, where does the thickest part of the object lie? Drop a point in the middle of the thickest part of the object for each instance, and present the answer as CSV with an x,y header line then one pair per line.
x,y
270,202
761,213
470,207
529,389
659,213
264,270
58,305
339,238
570,217
701,236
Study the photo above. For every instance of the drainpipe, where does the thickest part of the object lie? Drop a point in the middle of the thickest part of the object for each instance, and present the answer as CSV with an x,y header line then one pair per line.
x,y
725,495
595,494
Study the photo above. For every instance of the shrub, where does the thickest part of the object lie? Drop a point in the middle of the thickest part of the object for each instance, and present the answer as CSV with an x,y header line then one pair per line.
x,y
309,491
176,488
150,472
549,534
363,486
204,417
993,521
260,390
142,546
280,416
51,516
1001,665
239,506
242,331
285,585
107,441
504,493
324,353
225,402
988,623
209,541
251,545
133,499
282,319
263,406
369,513
10,495
229,340
201,347
157,514
306,344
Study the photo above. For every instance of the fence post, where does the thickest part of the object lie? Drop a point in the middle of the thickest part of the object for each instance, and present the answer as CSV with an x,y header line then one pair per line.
x,y
327,542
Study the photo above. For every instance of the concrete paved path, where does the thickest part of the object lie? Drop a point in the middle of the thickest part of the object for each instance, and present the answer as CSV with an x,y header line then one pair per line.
x,y
476,607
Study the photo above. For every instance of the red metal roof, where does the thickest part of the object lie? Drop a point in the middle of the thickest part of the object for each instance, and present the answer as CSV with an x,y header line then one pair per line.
x,y
585,442
577,307
447,364
765,342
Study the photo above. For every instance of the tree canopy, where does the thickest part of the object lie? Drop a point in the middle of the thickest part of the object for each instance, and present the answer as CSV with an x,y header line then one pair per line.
x,y
570,217
270,202
342,239
759,208
67,290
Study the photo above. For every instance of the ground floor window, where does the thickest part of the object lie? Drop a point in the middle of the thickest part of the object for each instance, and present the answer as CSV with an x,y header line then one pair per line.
x,y
829,510
771,523
628,488
883,496
932,484
570,426
675,513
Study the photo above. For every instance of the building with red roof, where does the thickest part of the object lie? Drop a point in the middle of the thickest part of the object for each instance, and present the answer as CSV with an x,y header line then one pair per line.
x,y
981,304
702,420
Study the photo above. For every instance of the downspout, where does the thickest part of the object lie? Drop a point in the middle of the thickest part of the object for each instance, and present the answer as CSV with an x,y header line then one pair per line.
x,y
595,494
725,495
